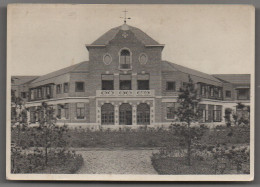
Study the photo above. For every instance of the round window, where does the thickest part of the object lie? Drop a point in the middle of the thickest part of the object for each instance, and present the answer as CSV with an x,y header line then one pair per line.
x,y
143,58
107,59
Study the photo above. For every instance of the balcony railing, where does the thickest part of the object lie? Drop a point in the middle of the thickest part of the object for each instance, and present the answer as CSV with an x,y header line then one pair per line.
x,y
125,93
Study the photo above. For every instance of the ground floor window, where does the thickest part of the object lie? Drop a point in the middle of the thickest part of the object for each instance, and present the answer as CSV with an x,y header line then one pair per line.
x,y
66,110
13,113
80,110
170,110
143,114
59,112
32,115
107,114
217,115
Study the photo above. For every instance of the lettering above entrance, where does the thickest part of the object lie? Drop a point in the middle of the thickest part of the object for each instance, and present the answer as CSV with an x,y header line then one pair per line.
x,y
125,93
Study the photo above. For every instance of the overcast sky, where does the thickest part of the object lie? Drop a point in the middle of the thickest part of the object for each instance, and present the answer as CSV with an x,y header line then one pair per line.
x,y
211,39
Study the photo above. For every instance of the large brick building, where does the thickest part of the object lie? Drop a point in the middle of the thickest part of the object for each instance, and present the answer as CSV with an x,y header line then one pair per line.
x,y
126,82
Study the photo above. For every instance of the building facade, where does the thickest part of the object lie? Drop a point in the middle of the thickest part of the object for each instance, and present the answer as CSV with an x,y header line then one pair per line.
x,y
126,82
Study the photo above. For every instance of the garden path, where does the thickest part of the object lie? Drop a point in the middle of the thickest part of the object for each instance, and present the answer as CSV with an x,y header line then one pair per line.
x,y
117,161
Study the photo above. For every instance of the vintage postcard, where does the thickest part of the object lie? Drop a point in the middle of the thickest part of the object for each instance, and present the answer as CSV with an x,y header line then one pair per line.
x,y
130,92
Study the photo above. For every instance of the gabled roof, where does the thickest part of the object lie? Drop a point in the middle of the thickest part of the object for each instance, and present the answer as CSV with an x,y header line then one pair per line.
x,y
234,78
110,35
169,66
19,80
75,67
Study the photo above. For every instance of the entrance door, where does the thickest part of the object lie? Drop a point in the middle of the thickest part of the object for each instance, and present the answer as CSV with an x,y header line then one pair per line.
x,y
125,114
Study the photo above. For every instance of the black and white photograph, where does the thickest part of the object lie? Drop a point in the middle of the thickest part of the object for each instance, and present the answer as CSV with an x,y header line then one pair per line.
x,y
130,92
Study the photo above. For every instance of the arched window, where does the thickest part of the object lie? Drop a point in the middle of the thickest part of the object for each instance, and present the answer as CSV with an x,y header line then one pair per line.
x,y
125,59
143,114
107,114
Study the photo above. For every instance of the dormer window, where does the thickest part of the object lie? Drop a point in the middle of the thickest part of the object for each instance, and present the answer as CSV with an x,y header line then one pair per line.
x,y
125,59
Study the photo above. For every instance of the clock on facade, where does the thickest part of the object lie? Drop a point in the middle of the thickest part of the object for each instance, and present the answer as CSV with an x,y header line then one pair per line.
x,y
107,59
143,58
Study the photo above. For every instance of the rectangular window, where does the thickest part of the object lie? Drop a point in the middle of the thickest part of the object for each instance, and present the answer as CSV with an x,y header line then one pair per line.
x,y
243,94
219,93
58,88
39,92
217,115
211,91
48,91
203,90
107,85
143,84
125,84
23,95
32,94
170,86
32,115
59,112
66,110
80,87
80,111
170,110
43,92
66,87
228,93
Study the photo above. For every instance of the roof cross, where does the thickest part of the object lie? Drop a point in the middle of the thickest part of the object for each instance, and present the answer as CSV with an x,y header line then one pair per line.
x,y
125,18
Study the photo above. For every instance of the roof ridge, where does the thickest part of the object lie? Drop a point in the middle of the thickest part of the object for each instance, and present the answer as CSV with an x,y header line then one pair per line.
x,y
172,64
74,66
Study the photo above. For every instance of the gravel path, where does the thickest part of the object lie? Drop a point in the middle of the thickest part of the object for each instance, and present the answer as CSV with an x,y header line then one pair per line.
x,y
117,162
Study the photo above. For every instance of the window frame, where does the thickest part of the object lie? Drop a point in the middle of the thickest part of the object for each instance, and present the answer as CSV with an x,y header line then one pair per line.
x,y
65,85
130,59
138,84
167,86
58,91
81,111
23,95
172,115
228,91
66,111
76,87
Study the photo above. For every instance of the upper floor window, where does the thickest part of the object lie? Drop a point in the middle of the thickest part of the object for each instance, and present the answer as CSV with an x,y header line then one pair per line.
x,y
39,92
125,85
228,93
107,82
203,90
243,94
170,86
79,87
143,84
219,92
66,87
125,59
23,95
211,91
58,88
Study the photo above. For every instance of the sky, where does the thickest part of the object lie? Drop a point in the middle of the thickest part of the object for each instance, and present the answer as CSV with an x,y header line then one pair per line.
x,y
210,38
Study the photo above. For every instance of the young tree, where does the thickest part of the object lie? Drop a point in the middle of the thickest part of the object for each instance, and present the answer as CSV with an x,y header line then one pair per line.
x,y
187,111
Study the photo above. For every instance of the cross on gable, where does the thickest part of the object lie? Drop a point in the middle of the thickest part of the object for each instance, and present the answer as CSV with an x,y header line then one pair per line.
x,y
125,18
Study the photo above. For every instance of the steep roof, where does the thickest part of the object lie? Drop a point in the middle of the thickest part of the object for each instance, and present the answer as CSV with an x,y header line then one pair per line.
x,y
19,80
234,78
75,67
169,66
140,35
